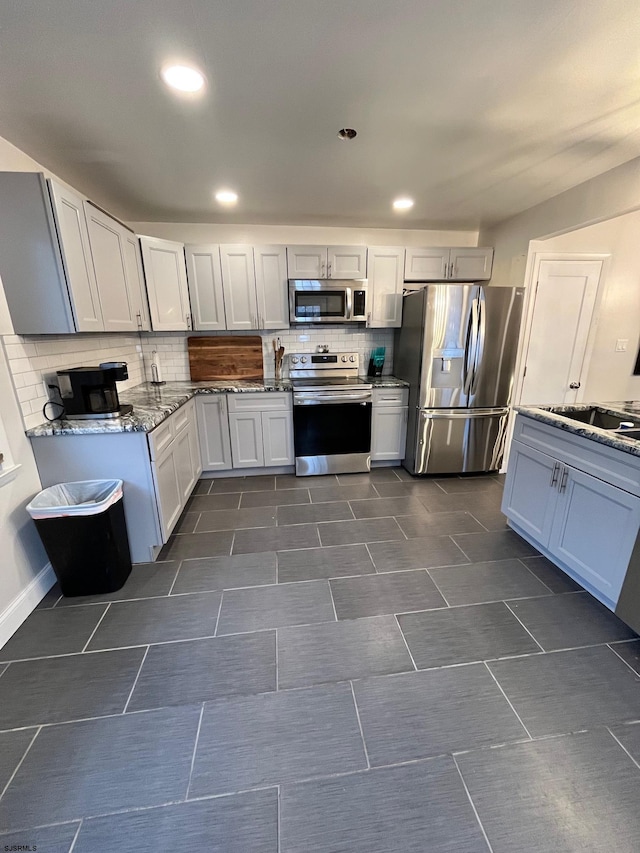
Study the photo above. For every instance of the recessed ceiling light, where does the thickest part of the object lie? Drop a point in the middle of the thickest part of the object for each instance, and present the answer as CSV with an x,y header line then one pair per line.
x,y
403,203
347,133
226,197
183,78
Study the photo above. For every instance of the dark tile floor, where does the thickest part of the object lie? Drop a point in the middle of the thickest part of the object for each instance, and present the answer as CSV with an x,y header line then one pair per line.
x,y
364,663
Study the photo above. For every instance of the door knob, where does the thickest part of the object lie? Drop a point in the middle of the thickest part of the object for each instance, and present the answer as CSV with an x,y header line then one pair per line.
x,y
574,385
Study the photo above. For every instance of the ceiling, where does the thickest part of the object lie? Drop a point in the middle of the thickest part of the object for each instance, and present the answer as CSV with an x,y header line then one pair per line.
x,y
476,108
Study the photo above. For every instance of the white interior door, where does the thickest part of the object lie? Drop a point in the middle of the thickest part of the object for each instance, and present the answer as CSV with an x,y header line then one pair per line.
x,y
556,351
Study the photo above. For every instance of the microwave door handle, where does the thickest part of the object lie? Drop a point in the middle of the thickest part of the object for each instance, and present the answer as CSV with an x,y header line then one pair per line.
x,y
349,303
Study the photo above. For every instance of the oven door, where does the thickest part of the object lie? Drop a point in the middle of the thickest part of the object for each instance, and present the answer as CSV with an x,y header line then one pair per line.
x,y
332,432
318,302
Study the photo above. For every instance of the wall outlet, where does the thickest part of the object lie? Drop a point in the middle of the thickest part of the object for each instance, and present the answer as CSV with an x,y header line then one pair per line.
x,y
621,344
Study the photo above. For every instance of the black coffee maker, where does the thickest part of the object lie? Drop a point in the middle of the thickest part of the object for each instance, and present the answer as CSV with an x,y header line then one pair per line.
x,y
90,392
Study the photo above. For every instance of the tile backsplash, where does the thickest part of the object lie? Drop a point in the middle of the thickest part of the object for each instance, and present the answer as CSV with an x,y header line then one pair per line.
x,y
32,358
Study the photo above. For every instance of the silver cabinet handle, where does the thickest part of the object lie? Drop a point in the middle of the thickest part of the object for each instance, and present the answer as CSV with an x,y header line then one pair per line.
x,y
369,318
554,474
188,319
322,270
574,385
329,270
563,481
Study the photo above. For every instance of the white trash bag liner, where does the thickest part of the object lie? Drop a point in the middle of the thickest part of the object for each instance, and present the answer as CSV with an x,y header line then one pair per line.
x,y
87,497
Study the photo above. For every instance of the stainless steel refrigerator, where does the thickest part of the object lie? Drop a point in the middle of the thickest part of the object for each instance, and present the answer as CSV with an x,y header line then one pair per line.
x,y
457,349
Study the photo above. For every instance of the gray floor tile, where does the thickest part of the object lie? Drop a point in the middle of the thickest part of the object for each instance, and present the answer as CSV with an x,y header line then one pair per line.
x,y
54,594
53,632
376,475
550,575
437,524
380,507
211,503
476,485
261,608
569,691
187,522
147,580
306,513
629,737
375,595
494,581
338,651
490,519
415,488
192,545
236,519
49,839
283,497
258,483
202,487
629,652
195,671
465,634
465,501
213,573
363,530
13,746
422,553
276,538
99,766
341,493
243,823
498,545
422,714
53,690
568,794
418,808
290,481
157,620
566,621
314,563
272,738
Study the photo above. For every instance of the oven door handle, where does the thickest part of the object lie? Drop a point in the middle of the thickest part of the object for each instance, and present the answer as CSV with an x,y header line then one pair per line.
x,y
315,399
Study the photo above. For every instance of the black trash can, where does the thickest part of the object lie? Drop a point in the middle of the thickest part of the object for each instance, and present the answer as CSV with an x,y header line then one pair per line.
x,y
83,530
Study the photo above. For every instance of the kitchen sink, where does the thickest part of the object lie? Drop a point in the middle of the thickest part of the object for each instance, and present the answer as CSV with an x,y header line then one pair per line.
x,y
601,418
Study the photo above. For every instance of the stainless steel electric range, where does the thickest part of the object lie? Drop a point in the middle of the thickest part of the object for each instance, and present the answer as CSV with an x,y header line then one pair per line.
x,y
331,414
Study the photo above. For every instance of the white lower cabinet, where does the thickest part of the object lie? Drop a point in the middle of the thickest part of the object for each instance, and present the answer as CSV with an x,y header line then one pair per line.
x,y
168,490
261,428
277,438
246,439
213,428
388,424
586,525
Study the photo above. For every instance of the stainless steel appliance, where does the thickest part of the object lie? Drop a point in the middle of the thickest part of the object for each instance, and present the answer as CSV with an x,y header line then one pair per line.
x,y
457,349
331,414
90,392
327,300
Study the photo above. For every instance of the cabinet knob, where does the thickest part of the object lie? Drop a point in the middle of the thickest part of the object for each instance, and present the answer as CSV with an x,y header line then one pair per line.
x,y
574,385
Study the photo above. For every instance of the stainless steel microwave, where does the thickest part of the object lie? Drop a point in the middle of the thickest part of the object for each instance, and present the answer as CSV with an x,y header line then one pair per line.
x,y
328,300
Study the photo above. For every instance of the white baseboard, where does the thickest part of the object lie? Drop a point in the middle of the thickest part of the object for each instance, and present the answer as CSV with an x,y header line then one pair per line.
x,y
25,602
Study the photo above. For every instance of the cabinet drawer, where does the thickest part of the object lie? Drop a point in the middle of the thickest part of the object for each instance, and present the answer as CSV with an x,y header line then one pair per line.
x,y
181,417
390,396
161,437
258,402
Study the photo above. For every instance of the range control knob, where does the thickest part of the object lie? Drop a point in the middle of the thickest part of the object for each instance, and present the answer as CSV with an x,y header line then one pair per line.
x,y
304,359
344,358
295,359
352,358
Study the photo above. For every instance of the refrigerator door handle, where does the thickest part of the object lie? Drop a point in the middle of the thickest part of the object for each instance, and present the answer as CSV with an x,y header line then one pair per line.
x,y
480,341
461,414
471,343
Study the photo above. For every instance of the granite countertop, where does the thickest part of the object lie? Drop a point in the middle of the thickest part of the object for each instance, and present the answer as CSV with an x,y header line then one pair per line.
x,y
625,410
152,404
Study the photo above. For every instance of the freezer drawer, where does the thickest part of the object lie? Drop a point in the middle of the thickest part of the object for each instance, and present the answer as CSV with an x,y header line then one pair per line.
x,y
458,441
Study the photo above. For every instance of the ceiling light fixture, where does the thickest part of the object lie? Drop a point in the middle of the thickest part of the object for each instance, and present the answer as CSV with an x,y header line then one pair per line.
x,y
347,133
226,197
183,78
403,203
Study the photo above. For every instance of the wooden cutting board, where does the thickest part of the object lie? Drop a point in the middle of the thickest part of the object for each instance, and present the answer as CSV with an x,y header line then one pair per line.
x,y
225,357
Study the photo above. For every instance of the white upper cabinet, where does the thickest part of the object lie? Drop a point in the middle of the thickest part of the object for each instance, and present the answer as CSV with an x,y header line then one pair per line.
x,y
448,264
76,251
166,276
341,262
385,274
271,287
205,287
239,287
135,280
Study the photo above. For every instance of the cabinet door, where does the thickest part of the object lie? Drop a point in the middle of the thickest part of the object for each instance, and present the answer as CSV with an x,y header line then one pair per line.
x,y
426,264
135,280
213,429
595,531
385,267
347,262
166,276
271,287
183,463
388,433
246,439
109,263
277,434
530,491
205,287
71,224
239,287
470,264
306,261
194,448
168,491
